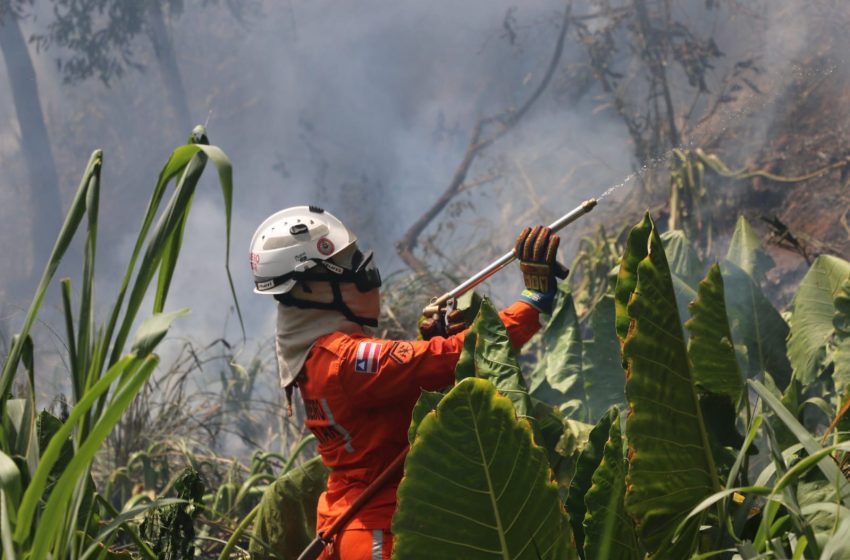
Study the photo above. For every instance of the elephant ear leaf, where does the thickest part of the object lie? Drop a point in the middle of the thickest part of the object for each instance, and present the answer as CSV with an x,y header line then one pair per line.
x,y
712,353
683,260
636,250
604,380
286,520
671,468
756,325
812,316
586,465
477,486
747,253
557,377
608,531
488,354
841,323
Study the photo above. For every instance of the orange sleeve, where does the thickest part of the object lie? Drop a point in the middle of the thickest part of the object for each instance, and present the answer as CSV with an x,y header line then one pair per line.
x,y
380,372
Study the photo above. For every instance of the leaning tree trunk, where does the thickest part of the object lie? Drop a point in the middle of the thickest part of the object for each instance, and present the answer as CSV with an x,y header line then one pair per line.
x,y
35,144
167,60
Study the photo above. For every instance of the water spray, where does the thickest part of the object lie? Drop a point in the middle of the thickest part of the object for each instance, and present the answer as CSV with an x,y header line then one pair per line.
x,y
449,299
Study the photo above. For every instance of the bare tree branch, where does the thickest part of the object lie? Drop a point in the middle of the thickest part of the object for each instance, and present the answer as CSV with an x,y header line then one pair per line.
x,y
479,141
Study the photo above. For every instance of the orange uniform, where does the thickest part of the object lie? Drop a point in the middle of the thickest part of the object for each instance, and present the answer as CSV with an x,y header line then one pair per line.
x,y
359,393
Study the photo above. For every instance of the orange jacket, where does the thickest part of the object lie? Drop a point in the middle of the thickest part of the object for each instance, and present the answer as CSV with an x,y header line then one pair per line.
x,y
359,393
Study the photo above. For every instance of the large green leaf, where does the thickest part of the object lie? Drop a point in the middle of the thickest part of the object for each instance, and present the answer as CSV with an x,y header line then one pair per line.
x,y
682,258
636,250
811,320
488,354
556,378
603,377
609,532
712,353
747,253
756,325
587,463
841,324
286,520
671,466
477,486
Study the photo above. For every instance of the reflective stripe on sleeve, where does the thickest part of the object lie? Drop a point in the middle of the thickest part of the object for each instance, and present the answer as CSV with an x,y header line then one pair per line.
x,y
377,544
339,428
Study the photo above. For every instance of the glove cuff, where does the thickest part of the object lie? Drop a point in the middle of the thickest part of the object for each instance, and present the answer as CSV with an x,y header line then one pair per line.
x,y
540,301
537,277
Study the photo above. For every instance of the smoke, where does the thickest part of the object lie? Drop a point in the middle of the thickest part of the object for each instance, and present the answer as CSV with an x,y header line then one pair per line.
x,y
364,108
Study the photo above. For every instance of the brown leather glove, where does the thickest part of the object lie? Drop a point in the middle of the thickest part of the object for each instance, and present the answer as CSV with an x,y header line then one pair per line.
x,y
430,327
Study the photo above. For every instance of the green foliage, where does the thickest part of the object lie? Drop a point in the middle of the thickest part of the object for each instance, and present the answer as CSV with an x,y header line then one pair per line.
x,y
557,377
812,316
681,257
56,515
841,323
586,465
756,325
476,485
747,253
286,520
488,354
671,464
609,531
170,531
602,372
710,347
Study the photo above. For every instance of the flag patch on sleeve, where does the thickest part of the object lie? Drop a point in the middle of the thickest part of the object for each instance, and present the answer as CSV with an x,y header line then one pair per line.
x,y
368,357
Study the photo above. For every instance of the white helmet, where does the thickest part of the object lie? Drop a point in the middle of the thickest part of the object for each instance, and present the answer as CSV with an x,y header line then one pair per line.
x,y
291,243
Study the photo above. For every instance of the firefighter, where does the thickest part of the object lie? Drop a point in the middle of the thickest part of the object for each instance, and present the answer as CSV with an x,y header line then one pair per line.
x,y
359,391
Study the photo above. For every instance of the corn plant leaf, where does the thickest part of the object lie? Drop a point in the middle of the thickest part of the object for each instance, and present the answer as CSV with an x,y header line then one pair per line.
x,y
671,467
682,258
286,520
63,241
587,463
477,486
715,366
609,532
10,481
756,325
56,508
812,316
841,324
602,371
556,378
747,253
153,329
488,354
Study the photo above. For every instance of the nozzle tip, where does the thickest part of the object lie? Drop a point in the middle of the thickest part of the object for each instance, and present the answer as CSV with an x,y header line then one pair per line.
x,y
589,204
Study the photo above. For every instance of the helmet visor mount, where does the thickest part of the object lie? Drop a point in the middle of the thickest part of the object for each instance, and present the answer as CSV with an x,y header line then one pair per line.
x,y
366,274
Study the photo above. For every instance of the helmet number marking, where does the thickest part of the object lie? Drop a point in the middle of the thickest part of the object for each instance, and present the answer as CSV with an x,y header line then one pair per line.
x,y
255,260
325,246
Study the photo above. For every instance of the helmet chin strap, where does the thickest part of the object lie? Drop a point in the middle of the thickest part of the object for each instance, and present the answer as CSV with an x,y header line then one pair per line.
x,y
338,304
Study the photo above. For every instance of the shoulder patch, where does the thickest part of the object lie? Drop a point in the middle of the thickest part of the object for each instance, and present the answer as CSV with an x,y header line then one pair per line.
x,y
401,352
368,358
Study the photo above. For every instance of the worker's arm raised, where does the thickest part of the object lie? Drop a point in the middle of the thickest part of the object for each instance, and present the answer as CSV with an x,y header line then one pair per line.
x,y
380,372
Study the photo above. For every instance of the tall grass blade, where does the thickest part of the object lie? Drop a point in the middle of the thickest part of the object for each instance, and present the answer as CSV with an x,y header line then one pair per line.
x,y
62,494
827,466
66,234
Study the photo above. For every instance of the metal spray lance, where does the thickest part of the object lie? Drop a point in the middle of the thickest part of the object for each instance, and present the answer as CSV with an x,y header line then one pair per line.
x,y
449,299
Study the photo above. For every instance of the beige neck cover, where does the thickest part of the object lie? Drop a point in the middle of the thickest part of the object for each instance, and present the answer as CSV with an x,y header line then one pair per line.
x,y
299,329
